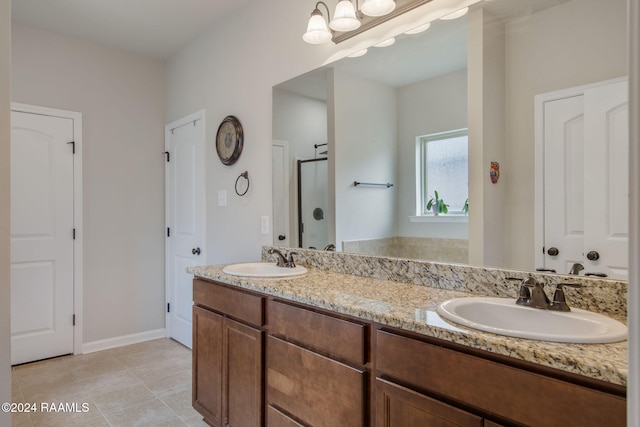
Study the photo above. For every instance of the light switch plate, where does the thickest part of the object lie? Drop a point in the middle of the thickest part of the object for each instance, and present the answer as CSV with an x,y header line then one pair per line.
x,y
222,198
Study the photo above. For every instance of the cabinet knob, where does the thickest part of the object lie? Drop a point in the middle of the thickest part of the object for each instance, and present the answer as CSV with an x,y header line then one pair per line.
x,y
593,256
553,251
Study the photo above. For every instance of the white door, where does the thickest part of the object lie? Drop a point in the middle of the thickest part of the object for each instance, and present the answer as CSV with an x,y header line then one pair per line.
x,y
585,174
564,183
607,191
280,176
185,198
42,233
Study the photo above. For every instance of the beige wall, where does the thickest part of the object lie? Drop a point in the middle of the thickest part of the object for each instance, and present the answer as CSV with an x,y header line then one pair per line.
x,y
435,105
362,121
121,97
5,284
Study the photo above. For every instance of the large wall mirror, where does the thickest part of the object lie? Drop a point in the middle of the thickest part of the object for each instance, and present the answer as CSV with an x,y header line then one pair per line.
x,y
491,76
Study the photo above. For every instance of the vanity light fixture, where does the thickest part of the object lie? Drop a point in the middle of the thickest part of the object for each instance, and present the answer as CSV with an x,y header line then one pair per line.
x,y
345,18
385,43
354,17
419,29
456,14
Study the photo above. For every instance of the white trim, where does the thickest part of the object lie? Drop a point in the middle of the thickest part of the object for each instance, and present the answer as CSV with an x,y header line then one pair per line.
x,y
440,218
114,342
539,101
287,198
198,115
633,306
78,283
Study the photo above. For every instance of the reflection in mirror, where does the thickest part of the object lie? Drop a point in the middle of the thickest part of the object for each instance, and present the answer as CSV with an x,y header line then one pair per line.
x,y
481,72
313,201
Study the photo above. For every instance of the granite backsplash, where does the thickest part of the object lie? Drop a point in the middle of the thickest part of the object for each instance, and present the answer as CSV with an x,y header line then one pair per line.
x,y
599,295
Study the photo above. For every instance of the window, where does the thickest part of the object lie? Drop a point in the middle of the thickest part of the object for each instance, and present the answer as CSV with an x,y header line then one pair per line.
x,y
443,166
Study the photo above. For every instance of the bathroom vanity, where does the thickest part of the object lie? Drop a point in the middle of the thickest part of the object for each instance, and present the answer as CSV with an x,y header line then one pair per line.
x,y
335,349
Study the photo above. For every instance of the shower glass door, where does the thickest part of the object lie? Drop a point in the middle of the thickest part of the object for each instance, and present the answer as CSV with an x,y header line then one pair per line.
x,y
313,202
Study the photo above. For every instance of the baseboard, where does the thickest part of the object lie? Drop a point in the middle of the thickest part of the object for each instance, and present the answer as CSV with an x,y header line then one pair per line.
x,y
114,342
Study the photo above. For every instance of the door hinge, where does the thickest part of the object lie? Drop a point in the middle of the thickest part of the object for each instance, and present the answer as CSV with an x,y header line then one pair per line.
x,y
168,155
74,320
168,232
168,307
73,146
74,234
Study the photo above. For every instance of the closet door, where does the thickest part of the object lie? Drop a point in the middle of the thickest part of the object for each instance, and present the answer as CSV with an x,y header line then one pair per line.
x,y
606,182
585,179
563,182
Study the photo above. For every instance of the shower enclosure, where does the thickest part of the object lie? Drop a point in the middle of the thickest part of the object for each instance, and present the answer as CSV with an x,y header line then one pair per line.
x,y
313,202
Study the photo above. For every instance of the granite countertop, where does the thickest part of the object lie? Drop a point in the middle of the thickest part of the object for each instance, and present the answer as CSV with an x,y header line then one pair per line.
x,y
413,308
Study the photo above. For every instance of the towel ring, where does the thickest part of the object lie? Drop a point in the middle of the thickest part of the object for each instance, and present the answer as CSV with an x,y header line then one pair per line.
x,y
244,175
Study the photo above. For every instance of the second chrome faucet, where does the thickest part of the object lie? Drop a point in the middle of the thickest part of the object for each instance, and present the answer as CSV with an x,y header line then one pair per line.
x,y
532,294
282,260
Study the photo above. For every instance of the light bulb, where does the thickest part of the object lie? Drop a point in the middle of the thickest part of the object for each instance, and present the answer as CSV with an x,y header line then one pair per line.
x,y
317,31
419,29
457,14
387,42
377,7
344,18
358,53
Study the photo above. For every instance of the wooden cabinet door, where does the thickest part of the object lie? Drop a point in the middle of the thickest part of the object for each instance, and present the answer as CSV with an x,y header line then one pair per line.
x,y
397,406
243,395
207,364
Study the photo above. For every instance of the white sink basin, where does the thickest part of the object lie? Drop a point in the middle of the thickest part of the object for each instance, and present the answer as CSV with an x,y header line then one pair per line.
x,y
502,316
262,269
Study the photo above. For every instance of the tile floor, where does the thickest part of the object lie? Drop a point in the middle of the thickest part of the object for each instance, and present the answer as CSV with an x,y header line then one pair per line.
x,y
145,384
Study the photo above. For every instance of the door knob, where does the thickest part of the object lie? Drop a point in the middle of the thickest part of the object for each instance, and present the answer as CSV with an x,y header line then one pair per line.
x,y
553,251
195,251
281,237
593,256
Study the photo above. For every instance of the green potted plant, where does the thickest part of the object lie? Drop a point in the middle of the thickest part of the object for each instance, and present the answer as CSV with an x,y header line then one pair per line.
x,y
437,205
465,208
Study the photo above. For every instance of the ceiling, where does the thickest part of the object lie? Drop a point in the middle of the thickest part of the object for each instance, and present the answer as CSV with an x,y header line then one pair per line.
x,y
153,28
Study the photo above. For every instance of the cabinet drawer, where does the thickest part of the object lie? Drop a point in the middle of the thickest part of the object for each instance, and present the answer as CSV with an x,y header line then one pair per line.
x,y
330,335
276,418
398,406
232,302
317,390
533,399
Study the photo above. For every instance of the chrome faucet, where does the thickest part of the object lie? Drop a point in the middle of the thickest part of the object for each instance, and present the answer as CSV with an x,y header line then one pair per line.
x,y
330,247
281,260
537,298
532,294
576,268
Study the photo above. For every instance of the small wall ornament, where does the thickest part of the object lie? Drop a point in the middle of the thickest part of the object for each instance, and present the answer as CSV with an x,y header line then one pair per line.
x,y
494,173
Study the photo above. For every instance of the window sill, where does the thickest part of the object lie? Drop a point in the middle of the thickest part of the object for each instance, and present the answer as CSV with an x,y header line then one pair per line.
x,y
440,218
